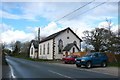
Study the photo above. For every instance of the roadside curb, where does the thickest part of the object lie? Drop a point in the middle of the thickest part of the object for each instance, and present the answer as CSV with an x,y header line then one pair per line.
x,y
6,71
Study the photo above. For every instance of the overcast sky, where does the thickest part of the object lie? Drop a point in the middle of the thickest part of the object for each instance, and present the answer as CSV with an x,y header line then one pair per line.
x,y
20,20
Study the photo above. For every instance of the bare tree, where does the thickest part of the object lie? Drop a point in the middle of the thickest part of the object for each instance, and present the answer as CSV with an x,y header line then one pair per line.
x,y
12,45
25,49
0,49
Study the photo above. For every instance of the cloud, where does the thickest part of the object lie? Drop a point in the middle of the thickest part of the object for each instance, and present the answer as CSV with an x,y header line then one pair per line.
x,y
113,28
54,27
99,13
55,10
104,25
9,34
50,11
7,15
58,1
5,27
77,26
49,29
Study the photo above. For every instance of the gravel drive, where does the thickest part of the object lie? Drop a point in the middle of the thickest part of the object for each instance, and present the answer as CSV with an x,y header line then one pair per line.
x,y
107,70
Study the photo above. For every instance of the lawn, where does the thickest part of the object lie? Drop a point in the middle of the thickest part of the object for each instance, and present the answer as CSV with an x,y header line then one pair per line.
x,y
39,60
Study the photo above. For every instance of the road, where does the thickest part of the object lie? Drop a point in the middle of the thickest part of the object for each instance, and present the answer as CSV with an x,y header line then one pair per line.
x,y
21,68
0,66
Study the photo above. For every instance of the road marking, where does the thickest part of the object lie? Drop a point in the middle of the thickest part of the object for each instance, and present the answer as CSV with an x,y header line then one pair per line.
x,y
11,70
13,76
59,74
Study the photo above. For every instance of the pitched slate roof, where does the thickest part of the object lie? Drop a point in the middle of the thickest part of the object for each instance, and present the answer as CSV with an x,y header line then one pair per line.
x,y
35,43
69,46
58,33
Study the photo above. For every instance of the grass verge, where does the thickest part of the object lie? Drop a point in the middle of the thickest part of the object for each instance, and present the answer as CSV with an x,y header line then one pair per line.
x,y
4,62
114,64
39,60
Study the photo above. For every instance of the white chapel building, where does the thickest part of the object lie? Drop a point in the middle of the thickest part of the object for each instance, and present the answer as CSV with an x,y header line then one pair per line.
x,y
57,45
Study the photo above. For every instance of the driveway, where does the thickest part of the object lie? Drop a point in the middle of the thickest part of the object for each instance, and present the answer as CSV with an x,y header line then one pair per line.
x,y
107,70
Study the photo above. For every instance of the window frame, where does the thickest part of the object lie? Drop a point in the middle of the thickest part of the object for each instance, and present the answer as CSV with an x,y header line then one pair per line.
x,y
44,49
60,46
48,48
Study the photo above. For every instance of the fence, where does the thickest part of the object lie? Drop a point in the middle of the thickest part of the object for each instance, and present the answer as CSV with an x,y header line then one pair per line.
x,y
79,53
111,57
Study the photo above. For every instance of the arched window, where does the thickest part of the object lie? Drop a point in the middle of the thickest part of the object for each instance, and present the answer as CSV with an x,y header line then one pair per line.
x,y
31,51
48,48
73,49
60,46
75,42
44,49
67,30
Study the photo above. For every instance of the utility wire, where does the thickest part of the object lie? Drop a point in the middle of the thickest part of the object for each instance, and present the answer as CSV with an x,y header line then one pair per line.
x,y
74,11
90,9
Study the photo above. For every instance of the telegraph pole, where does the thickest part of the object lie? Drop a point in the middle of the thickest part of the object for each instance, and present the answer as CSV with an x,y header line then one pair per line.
x,y
38,34
109,25
38,42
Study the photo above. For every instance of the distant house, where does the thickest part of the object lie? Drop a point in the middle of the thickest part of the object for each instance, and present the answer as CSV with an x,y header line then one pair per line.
x,y
34,49
58,44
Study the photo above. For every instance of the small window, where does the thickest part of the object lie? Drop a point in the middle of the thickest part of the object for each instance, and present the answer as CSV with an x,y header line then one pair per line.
x,y
67,37
67,31
31,51
75,42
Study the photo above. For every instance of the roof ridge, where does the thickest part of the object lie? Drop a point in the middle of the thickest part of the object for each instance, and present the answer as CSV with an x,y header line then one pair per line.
x,y
53,35
57,33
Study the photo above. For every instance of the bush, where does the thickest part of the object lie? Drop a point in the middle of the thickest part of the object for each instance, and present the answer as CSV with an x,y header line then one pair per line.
x,y
114,64
117,56
4,62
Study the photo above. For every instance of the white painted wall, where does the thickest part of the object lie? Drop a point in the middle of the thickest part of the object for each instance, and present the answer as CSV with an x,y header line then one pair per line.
x,y
63,37
46,55
35,54
32,47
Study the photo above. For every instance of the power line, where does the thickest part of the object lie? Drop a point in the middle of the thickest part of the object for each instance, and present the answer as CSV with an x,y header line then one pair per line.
x,y
90,9
74,11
